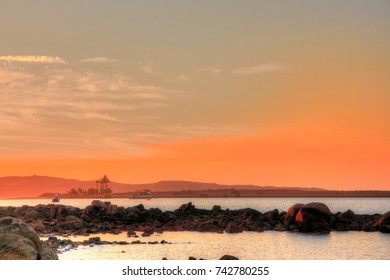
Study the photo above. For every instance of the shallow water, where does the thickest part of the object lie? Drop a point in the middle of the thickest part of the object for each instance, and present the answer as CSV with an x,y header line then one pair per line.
x,y
269,245
358,205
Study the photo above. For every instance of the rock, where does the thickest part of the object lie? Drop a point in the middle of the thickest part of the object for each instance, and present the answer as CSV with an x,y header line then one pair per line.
x,y
47,252
280,227
192,258
94,240
384,223
38,225
17,247
19,241
117,211
208,226
186,207
347,215
216,208
292,213
72,223
33,215
131,233
147,232
314,217
138,242
19,227
228,257
232,228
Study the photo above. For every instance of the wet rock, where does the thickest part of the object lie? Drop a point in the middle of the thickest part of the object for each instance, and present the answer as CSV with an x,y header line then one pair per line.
x,y
232,228
280,227
94,240
292,213
314,217
384,223
229,257
147,232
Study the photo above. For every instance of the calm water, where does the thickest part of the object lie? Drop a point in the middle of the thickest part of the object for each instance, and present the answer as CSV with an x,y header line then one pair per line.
x,y
358,205
247,245
269,245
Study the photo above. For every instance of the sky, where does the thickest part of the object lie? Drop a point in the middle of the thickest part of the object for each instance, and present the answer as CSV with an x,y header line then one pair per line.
x,y
282,93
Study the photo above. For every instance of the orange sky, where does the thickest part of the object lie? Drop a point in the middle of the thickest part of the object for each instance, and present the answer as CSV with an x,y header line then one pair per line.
x,y
251,92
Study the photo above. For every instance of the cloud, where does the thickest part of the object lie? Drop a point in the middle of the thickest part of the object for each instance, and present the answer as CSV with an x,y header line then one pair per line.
x,y
215,71
148,68
261,69
98,60
32,59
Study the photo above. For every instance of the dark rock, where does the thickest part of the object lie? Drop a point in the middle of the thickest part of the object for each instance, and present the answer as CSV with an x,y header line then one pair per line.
x,y
192,258
216,208
228,257
147,232
232,228
384,223
186,207
71,222
314,217
292,213
94,240
131,233
280,227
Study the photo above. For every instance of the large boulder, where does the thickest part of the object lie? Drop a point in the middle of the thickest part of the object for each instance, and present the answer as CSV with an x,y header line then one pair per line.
x,y
384,223
292,213
19,241
314,217
97,209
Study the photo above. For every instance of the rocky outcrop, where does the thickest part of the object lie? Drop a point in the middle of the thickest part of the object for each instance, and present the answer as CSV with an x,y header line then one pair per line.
x,y
313,217
104,217
19,241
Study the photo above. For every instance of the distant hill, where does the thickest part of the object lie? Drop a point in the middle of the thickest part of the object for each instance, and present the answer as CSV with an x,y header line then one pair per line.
x,y
34,186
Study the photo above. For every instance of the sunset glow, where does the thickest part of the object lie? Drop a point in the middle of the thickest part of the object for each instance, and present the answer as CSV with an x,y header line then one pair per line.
x,y
229,92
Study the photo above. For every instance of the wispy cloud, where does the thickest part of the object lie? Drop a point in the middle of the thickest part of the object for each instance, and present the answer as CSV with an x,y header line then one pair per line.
x,y
66,109
32,59
261,69
215,71
148,68
98,60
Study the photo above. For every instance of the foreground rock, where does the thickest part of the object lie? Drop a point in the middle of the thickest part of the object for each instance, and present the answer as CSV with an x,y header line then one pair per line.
x,y
19,241
104,217
313,217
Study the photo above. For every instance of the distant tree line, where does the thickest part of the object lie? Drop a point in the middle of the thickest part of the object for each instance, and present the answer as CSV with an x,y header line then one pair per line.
x,y
76,192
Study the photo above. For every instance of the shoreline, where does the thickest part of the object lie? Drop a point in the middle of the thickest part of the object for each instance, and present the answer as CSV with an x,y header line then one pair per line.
x,y
104,217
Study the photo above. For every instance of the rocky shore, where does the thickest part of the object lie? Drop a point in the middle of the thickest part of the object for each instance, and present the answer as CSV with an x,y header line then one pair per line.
x,y
20,226
104,217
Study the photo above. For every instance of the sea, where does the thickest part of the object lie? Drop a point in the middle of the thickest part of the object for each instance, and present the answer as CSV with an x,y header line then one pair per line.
x,y
268,245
